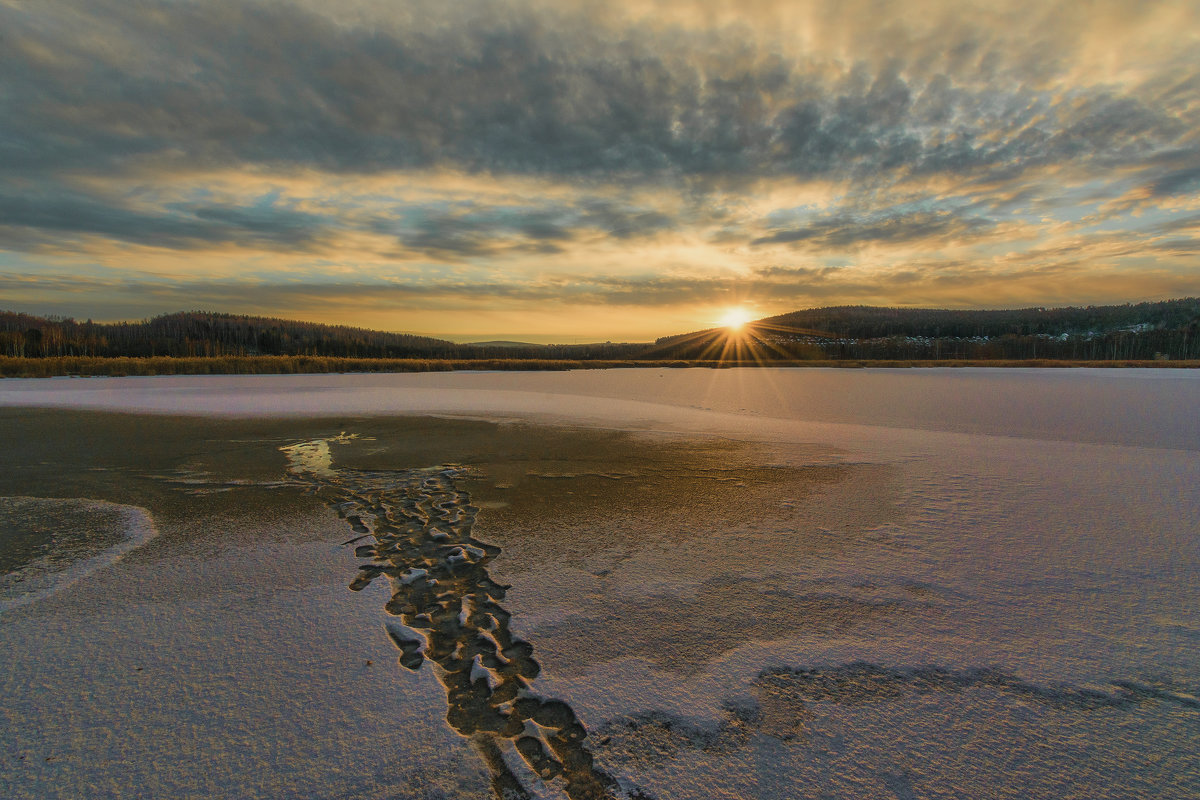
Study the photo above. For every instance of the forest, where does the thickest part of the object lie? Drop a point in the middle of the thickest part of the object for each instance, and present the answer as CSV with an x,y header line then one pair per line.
x,y
1166,330
203,334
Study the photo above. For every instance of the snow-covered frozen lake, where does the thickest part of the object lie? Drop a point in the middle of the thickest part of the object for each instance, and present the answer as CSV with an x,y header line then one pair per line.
x,y
737,583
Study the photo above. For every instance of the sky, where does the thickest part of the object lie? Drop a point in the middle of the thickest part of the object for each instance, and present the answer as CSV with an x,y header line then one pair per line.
x,y
582,171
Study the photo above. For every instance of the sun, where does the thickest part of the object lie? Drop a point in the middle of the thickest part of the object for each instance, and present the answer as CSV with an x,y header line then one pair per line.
x,y
735,318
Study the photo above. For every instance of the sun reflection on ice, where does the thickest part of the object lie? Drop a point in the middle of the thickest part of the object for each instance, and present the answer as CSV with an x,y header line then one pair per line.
x,y
315,456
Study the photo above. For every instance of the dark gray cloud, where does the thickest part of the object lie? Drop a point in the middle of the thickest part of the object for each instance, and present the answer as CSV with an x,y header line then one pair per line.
x,y
452,236
52,212
449,293
506,90
475,230
181,294
846,231
1177,246
1191,222
57,215
621,221
1178,181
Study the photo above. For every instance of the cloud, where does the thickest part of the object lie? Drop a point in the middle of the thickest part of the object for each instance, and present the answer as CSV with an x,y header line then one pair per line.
x,y
932,283
475,229
1177,181
72,216
1188,223
843,231
535,152
505,89
47,215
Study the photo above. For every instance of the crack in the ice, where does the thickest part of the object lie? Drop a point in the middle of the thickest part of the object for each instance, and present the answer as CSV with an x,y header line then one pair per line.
x,y
446,609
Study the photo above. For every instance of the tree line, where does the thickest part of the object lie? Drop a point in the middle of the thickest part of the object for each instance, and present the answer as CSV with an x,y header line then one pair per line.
x,y
202,334
1142,331
870,322
1134,331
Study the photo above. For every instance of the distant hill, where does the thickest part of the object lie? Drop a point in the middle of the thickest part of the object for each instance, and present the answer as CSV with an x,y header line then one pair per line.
x,y
200,333
1166,329
203,333
866,322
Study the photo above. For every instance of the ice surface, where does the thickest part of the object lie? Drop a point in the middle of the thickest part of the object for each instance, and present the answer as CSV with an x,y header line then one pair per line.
x,y
789,583
1151,407
74,538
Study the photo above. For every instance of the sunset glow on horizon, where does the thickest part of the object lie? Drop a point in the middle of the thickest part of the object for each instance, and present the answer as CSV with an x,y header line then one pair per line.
x,y
590,172
735,318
